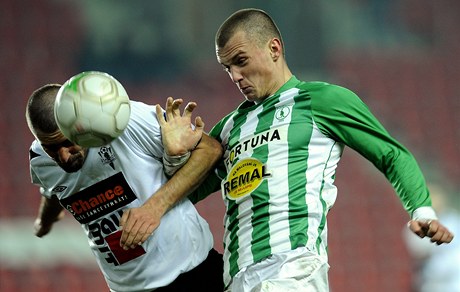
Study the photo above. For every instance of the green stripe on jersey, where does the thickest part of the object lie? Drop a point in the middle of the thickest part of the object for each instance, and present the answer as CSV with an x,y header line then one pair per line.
x,y
298,208
232,224
260,201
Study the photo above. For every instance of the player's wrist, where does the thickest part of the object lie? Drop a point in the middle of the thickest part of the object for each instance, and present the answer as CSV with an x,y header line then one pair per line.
x,y
175,160
425,213
158,203
184,147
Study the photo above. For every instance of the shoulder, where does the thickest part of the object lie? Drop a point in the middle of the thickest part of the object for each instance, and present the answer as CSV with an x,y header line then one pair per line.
x,y
43,170
327,92
140,110
143,131
37,156
220,125
143,116
326,97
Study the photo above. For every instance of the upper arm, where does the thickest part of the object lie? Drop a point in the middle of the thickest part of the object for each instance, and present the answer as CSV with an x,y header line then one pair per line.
x,y
210,146
144,131
340,114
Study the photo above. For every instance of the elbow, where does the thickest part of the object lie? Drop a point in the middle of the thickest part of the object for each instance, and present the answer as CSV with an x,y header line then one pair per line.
x,y
214,149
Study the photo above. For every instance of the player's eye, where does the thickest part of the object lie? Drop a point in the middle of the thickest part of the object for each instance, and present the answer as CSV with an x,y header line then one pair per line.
x,y
57,146
241,61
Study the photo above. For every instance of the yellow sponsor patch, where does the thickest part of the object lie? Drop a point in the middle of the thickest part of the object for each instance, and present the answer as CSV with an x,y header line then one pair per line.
x,y
243,178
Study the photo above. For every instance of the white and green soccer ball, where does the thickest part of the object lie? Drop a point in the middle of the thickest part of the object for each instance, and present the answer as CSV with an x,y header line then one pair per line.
x,y
92,109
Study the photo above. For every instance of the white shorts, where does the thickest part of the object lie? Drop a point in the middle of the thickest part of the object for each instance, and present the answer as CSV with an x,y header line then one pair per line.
x,y
297,270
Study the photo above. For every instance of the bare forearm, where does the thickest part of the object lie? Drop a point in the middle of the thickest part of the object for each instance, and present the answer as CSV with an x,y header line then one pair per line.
x,y
189,177
49,210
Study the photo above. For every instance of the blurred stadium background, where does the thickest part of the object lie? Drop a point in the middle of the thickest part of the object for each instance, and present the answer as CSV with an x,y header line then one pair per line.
x,y
401,57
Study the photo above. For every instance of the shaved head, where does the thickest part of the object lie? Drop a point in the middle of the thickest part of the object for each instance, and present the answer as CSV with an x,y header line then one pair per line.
x,y
40,110
257,25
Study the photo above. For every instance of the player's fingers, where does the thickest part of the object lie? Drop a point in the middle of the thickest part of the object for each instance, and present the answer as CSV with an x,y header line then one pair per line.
x,y
137,235
443,238
148,233
124,218
433,228
443,235
189,109
168,108
160,114
39,229
125,226
440,238
143,235
132,234
40,233
175,111
199,124
437,237
449,237
417,228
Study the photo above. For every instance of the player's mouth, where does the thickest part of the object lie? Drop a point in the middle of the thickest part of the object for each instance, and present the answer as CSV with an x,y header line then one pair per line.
x,y
246,90
75,161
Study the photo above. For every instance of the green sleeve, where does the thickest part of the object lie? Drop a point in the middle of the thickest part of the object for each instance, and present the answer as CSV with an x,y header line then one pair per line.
x,y
209,186
341,115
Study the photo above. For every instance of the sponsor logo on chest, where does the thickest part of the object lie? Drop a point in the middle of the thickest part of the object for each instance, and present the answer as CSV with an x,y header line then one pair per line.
x,y
99,199
244,178
253,142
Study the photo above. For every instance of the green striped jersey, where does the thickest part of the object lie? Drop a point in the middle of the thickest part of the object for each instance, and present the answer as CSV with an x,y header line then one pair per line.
x,y
279,167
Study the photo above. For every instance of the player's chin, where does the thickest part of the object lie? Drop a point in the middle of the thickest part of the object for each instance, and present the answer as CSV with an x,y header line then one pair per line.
x,y
253,96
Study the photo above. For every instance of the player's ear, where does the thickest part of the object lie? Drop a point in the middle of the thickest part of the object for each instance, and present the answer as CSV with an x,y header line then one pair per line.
x,y
275,48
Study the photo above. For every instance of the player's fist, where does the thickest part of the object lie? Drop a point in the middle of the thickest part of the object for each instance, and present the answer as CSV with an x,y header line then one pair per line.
x,y
431,228
42,228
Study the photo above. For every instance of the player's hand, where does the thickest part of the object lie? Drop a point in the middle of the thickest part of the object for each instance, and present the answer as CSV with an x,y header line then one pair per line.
x,y
137,225
42,228
433,229
178,135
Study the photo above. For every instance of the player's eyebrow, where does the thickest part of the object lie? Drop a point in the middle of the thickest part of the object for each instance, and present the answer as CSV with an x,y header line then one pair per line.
x,y
57,146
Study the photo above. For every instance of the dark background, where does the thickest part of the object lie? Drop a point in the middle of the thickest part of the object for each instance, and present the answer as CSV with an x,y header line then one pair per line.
x,y
401,57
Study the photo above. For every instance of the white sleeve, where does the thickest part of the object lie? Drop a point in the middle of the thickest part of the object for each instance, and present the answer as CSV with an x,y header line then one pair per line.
x,y
143,131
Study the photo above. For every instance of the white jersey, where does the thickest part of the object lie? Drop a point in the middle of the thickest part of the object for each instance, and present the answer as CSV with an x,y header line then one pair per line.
x,y
121,175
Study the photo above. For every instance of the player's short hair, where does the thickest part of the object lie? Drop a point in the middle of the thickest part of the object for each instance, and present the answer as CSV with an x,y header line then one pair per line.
x,y
40,109
256,23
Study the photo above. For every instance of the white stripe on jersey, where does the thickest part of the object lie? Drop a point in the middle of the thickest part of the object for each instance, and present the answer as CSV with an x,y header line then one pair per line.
x,y
245,226
320,163
226,239
278,154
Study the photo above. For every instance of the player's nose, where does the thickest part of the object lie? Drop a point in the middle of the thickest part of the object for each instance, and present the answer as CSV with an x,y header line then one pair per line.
x,y
64,154
235,75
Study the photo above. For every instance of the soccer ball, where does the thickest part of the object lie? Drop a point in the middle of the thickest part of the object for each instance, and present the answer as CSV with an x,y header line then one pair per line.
x,y
92,109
